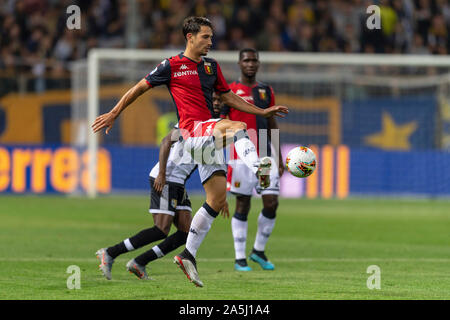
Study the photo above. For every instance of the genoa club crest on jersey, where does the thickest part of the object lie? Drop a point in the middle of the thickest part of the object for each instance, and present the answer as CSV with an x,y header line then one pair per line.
x,y
262,94
208,69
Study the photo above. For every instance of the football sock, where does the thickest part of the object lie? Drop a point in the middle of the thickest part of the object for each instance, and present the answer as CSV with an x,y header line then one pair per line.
x,y
146,236
200,225
266,222
117,250
246,149
260,254
242,262
176,240
187,255
141,239
169,244
239,227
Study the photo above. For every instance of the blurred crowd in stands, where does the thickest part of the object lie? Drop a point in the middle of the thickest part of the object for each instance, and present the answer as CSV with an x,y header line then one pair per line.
x,y
34,37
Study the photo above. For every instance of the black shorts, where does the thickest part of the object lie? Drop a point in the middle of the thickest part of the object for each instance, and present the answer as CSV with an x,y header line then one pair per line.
x,y
172,198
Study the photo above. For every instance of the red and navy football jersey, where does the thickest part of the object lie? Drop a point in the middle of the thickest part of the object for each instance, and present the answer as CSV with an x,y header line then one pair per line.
x,y
191,85
262,96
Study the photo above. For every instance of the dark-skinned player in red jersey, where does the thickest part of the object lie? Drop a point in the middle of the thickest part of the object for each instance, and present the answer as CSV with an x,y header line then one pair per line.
x,y
191,79
242,180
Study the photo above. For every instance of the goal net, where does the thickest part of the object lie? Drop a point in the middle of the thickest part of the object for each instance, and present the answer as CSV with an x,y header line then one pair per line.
x,y
378,124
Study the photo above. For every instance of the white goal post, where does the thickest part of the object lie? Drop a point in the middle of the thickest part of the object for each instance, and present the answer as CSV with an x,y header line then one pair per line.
x,y
96,56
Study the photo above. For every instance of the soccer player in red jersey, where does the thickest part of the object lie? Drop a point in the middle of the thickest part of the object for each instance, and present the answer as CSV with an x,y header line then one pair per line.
x,y
191,79
242,180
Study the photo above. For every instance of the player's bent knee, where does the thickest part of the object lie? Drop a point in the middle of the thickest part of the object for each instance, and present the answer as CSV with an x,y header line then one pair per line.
x,y
184,228
217,202
214,208
221,203
164,228
270,207
270,202
163,223
240,216
243,204
269,213
183,220
239,125
273,205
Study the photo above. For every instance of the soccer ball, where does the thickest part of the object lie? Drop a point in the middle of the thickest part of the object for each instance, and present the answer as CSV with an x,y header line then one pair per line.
x,y
301,162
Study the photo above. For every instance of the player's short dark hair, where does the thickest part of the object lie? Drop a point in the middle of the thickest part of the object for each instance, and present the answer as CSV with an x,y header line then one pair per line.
x,y
194,24
242,51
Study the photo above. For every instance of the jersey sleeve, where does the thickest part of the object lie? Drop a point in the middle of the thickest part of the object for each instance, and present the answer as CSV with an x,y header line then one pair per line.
x,y
160,75
221,84
272,97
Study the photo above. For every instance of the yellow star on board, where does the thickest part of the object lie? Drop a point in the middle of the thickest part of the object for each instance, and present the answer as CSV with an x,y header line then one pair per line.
x,y
392,136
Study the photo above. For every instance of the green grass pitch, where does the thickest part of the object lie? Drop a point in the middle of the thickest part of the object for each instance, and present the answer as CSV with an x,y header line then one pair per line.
x,y
321,250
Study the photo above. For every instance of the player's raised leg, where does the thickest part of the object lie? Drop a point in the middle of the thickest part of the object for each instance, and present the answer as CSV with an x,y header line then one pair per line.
x,y
226,131
215,188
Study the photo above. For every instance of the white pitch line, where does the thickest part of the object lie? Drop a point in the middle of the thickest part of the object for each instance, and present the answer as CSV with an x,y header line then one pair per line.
x,y
286,260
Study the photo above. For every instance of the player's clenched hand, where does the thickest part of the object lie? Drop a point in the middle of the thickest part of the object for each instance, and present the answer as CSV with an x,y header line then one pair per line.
x,y
225,212
160,181
105,120
278,111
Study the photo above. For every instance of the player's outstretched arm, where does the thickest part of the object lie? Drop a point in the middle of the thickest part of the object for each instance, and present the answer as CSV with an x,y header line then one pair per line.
x,y
233,100
106,120
164,152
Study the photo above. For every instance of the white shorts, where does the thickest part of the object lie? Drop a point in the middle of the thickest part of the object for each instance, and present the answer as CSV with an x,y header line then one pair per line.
x,y
243,180
206,171
203,151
